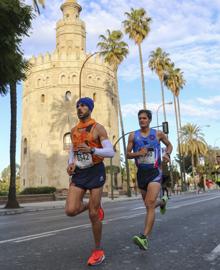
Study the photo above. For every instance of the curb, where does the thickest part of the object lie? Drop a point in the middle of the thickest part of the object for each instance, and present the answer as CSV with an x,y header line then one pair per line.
x,y
8,212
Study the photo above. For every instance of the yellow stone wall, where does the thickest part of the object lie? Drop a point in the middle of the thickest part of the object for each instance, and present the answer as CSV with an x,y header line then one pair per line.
x,y
47,115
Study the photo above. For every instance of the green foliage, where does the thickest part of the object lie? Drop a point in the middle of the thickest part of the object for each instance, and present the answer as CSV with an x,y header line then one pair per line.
x,y
38,190
5,180
137,25
113,48
15,21
115,169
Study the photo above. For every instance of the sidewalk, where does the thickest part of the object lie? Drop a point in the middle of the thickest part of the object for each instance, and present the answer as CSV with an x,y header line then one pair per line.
x,y
50,205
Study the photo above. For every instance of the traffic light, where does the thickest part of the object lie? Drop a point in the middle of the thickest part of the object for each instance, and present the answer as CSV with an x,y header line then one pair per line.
x,y
165,127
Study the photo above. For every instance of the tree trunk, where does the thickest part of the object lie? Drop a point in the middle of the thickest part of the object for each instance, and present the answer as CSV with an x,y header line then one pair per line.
x,y
12,200
180,127
142,77
178,138
193,166
163,101
123,138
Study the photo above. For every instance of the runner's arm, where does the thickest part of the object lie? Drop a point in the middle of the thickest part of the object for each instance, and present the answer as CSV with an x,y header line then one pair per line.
x,y
71,155
169,148
131,154
107,150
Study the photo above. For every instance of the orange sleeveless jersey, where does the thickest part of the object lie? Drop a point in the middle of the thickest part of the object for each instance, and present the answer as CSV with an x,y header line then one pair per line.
x,y
84,134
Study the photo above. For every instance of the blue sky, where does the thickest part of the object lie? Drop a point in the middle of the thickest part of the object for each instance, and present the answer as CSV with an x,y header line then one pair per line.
x,y
188,30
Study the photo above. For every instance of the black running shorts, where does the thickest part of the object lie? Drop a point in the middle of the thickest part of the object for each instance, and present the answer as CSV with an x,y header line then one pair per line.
x,y
89,178
146,176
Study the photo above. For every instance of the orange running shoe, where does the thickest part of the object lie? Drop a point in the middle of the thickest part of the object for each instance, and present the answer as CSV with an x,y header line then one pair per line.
x,y
96,258
101,213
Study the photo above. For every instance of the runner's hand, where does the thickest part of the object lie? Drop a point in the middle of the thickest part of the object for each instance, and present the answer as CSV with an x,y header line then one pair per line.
x,y
166,158
71,168
84,148
143,152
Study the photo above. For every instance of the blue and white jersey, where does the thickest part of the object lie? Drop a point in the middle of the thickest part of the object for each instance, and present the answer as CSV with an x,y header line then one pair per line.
x,y
153,157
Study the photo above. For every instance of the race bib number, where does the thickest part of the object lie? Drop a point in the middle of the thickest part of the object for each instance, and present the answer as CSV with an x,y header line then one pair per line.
x,y
148,159
83,160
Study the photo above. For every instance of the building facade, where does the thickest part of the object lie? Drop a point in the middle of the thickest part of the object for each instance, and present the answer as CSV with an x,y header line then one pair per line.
x,y
50,93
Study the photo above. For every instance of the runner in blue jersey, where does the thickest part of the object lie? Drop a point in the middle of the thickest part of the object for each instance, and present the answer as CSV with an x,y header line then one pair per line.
x,y
144,147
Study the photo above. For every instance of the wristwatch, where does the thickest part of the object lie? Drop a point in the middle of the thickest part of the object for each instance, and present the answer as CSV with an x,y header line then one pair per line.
x,y
92,151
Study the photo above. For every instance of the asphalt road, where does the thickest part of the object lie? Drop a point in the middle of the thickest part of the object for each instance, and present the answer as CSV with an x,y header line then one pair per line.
x,y
186,237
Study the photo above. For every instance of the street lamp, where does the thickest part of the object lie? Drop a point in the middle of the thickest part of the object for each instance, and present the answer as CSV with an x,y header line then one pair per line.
x,y
216,141
167,103
80,73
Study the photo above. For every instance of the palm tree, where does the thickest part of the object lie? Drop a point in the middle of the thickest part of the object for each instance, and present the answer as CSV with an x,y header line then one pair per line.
x,y
137,26
174,81
159,62
13,62
114,50
193,143
36,6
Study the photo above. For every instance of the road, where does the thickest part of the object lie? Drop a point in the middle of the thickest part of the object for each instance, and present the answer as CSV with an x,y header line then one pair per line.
x,y
186,237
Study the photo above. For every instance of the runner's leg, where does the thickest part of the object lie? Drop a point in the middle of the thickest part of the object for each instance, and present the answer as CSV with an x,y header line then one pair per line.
x,y
151,203
94,205
74,201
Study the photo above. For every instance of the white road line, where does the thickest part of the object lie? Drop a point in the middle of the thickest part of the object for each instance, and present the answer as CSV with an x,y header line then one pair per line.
x,y
191,203
89,225
55,231
137,208
36,237
214,254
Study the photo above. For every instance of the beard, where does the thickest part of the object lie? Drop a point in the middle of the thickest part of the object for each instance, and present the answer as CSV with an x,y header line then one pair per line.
x,y
83,116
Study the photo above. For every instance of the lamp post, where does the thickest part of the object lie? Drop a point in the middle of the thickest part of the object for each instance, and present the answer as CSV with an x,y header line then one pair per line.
x,y
80,73
167,103
216,141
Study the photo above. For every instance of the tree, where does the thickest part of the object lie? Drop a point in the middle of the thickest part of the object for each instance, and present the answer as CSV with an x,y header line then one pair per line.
x,y
5,180
159,62
137,26
174,81
114,50
36,6
193,143
15,21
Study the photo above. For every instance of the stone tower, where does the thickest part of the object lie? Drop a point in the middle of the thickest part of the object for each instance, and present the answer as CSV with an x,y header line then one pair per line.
x,y
49,96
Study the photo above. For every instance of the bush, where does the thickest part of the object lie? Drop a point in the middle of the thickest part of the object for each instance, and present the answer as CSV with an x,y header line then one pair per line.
x,y
3,193
38,190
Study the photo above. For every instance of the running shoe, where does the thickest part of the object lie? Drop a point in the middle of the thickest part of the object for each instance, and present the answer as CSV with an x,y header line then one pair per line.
x,y
163,208
141,241
101,213
96,258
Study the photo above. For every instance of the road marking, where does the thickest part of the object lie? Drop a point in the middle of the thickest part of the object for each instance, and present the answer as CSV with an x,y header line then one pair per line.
x,y
191,203
137,208
45,233
35,236
213,255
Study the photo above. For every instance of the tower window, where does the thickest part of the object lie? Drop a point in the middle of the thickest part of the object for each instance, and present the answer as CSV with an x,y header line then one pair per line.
x,y
42,98
94,96
39,83
63,79
66,141
47,81
25,146
68,96
74,78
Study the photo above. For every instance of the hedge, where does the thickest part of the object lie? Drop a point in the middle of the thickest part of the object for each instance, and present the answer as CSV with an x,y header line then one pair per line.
x,y
38,190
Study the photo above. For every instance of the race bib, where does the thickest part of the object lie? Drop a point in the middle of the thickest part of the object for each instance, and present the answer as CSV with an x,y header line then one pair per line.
x,y
149,159
83,160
